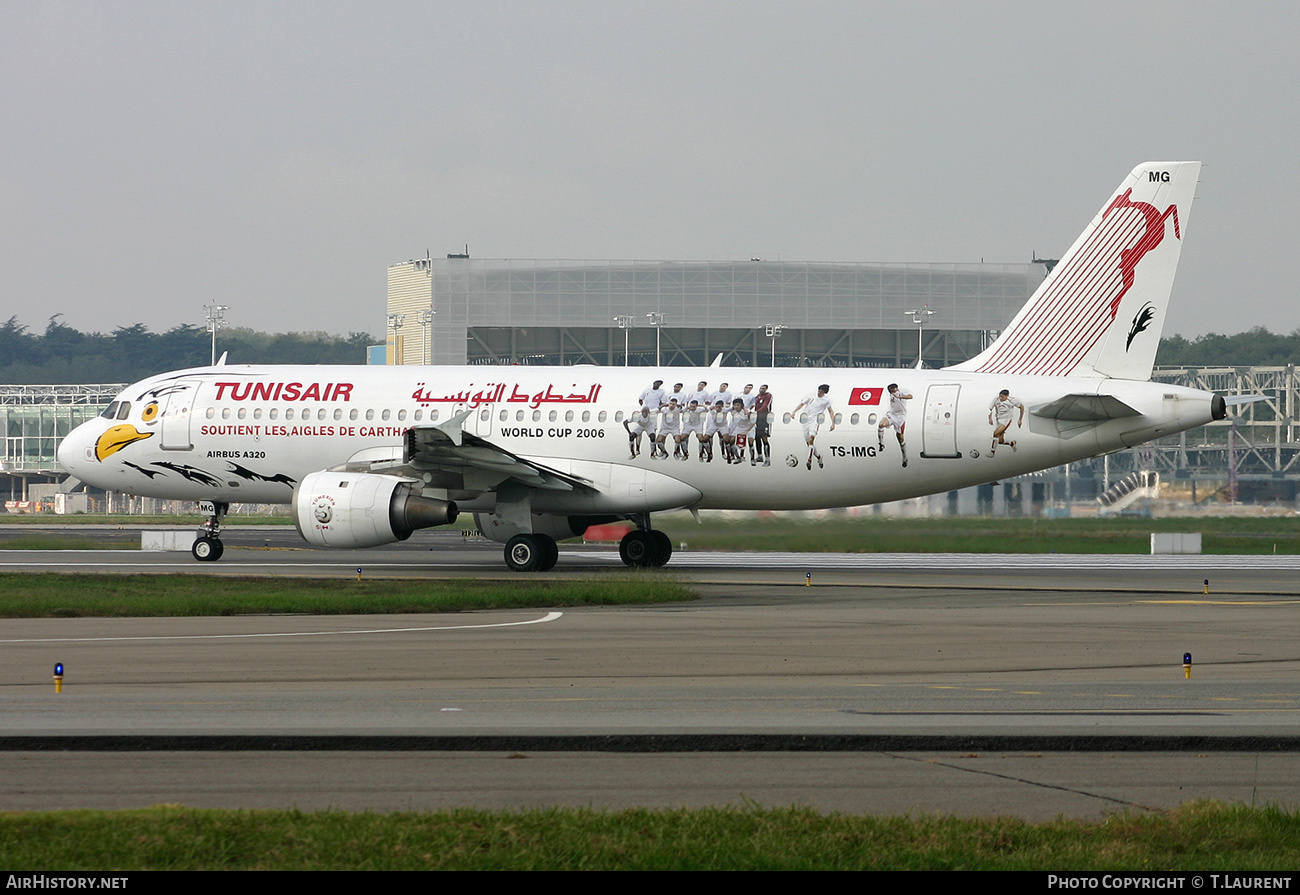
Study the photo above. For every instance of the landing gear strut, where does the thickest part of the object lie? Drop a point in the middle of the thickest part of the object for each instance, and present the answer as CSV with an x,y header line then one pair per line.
x,y
208,547
532,553
645,547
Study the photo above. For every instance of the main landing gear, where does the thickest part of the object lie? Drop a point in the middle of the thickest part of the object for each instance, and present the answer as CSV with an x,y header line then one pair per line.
x,y
532,553
645,547
208,547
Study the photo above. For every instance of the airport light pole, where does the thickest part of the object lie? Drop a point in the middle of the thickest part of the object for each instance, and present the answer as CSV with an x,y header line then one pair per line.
x,y
395,322
920,316
657,321
425,317
624,322
774,333
216,319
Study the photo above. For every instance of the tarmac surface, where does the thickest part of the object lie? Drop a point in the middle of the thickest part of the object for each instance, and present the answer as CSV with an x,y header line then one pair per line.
x,y
1033,686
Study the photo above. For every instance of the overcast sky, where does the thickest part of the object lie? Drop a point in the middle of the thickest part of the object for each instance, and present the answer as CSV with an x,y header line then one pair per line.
x,y
277,157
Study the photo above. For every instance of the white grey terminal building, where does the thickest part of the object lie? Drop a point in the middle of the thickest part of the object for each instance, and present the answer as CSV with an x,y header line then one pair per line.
x,y
586,312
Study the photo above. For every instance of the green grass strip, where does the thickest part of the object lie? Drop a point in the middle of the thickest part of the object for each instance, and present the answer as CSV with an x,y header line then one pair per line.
x,y
54,595
1195,836
963,534
64,542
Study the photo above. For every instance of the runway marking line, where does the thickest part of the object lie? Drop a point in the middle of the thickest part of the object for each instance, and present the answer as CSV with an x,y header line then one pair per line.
x,y
549,617
1222,602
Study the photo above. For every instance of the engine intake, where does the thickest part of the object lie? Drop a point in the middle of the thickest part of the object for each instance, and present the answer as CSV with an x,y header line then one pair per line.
x,y
356,509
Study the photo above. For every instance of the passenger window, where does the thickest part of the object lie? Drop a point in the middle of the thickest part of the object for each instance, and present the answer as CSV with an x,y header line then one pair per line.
x,y
370,414
225,413
257,413
211,413
568,416
586,416
537,416
871,420
786,419
401,415
552,416
275,413
505,415
288,413
386,415
419,415
338,413
243,412
433,415
854,419
352,414
601,417
519,416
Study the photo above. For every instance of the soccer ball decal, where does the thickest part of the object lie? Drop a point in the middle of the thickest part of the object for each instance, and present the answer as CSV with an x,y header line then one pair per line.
x,y
792,460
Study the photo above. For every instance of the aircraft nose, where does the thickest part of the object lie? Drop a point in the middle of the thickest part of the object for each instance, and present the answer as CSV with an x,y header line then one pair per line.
x,y
72,450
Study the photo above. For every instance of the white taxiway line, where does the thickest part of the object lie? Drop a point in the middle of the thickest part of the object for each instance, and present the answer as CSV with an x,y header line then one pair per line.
x,y
997,561
549,617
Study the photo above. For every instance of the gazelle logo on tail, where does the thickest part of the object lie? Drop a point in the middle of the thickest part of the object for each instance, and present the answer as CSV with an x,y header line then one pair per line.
x,y
1121,267
1155,232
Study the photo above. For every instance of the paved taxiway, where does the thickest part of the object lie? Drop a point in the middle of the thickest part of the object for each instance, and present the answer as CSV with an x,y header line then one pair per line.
x,y
1022,646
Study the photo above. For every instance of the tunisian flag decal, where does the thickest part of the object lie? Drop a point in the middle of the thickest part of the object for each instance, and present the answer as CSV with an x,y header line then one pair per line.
x,y
866,395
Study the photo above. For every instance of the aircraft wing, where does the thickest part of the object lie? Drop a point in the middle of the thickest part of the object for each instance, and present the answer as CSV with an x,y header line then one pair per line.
x,y
444,455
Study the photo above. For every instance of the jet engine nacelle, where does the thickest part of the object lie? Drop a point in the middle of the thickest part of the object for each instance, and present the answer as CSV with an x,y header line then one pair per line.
x,y
357,509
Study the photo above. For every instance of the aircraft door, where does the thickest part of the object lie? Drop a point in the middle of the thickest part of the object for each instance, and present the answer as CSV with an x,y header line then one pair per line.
x,y
939,424
177,401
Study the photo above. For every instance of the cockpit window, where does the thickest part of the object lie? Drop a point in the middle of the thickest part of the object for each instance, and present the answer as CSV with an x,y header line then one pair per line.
x,y
110,411
124,411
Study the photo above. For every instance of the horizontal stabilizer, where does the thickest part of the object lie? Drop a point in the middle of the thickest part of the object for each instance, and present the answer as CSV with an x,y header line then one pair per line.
x,y
1084,409
1234,400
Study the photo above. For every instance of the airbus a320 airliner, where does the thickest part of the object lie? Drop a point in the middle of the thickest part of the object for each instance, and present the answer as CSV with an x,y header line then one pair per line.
x,y
367,455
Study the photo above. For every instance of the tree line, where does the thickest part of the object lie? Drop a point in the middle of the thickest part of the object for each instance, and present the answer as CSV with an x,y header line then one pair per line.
x,y
63,354
1256,348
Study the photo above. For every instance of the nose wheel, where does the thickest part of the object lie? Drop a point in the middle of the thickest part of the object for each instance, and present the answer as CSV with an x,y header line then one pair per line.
x,y
207,546
207,549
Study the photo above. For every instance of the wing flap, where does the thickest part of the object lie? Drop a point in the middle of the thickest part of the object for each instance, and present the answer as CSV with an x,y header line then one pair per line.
x,y
447,448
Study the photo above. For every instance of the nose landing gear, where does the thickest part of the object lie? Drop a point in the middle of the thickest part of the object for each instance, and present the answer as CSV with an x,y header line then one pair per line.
x,y
207,546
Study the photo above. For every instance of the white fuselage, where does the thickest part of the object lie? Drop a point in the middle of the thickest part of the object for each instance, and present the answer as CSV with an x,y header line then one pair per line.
x,y
250,433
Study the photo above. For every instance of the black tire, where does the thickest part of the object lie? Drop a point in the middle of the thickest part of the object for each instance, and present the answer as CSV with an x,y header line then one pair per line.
x,y
637,549
550,552
207,549
524,553
663,548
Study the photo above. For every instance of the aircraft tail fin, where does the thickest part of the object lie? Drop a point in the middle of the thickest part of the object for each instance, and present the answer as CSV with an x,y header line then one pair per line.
x,y
1101,310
